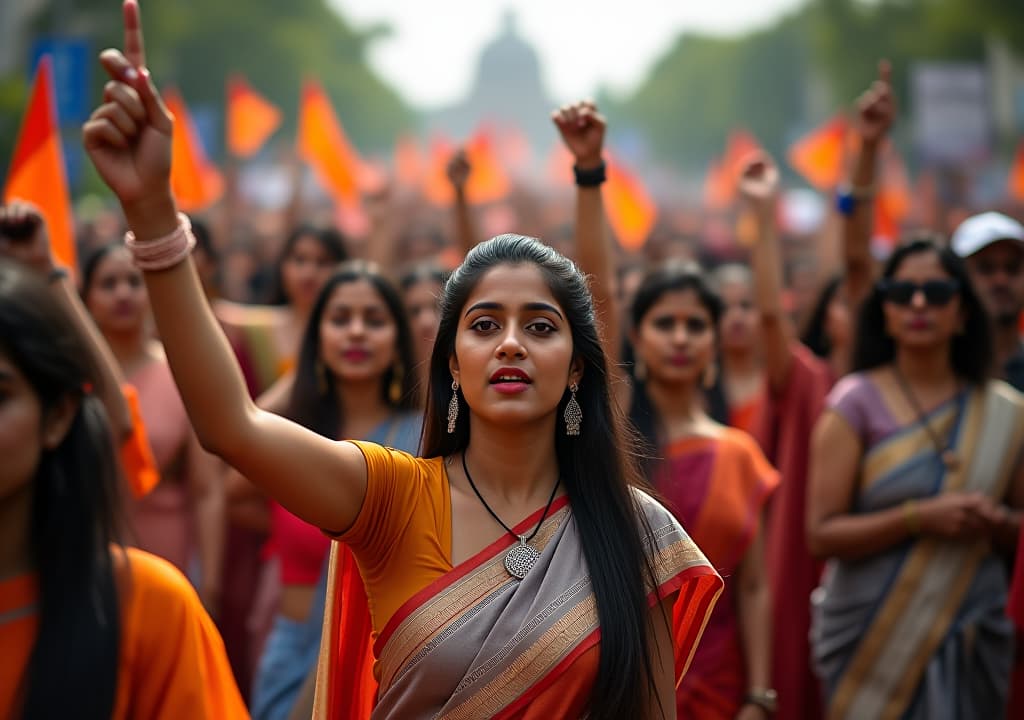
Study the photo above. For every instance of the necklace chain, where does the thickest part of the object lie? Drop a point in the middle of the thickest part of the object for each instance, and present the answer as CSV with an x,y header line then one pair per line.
x,y
922,417
494,515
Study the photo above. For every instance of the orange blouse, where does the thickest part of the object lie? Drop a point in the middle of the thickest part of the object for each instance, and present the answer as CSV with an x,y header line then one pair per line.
x,y
172,660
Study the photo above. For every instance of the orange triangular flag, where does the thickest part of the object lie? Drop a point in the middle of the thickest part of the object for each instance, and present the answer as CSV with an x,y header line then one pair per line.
x,y
718,187
820,155
323,144
195,181
251,118
631,211
487,179
37,167
408,161
1016,184
436,187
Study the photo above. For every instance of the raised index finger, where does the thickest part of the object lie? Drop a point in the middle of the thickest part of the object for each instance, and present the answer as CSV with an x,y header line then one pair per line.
x,y
885,71
134,49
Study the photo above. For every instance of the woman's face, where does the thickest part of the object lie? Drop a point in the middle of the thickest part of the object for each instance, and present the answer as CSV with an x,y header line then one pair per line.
x,y
911,320
117,296
739,319
513,348
424,316
305,270
676,339
358,335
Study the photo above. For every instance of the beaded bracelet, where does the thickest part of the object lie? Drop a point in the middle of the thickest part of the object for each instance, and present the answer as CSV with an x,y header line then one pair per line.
x,y
164,252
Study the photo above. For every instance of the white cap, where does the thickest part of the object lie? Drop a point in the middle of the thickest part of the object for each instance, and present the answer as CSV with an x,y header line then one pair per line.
x,y
979,231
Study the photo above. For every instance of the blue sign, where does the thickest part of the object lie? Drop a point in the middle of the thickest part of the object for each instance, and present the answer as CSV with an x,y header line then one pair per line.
x,y
72,66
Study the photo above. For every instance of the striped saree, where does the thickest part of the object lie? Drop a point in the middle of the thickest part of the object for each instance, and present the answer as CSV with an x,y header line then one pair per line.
x,y
478,643
919,631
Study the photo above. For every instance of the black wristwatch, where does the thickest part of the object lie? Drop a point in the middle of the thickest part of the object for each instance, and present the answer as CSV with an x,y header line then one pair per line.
x,y
764,698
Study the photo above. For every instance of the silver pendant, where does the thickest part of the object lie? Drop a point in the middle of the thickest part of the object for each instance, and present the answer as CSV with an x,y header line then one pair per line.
x,y
520,559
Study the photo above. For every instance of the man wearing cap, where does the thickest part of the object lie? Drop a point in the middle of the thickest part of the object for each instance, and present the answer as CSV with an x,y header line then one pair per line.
x,y
992,245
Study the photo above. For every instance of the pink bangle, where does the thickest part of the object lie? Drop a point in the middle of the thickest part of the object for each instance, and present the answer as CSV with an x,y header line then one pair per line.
x,y
164,252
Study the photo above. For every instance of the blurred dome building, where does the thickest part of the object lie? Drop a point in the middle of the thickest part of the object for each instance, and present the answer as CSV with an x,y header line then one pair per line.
x,y
508,89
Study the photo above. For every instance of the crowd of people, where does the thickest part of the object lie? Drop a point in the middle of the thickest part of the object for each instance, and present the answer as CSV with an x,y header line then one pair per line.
x,y
441,476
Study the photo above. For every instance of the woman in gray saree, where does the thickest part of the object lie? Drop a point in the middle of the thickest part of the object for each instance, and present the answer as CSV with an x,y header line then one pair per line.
x,y
914,471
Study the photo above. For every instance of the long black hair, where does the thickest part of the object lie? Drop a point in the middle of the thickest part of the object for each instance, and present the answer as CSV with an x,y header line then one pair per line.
x,y
313,402
815,335
332,242
971,352
597,473
73,517
659,280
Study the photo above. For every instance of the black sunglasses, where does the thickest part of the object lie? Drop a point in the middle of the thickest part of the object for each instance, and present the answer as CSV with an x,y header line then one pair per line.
x,y
936,292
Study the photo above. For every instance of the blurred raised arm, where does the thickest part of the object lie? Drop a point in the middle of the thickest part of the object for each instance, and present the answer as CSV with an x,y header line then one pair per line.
x,y
128,139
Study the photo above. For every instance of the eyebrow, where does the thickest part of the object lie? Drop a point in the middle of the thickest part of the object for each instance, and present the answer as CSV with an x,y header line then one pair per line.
x,y
533,307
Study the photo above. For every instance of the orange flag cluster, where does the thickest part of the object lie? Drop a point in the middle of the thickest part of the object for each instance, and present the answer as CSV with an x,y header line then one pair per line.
x,y
37,168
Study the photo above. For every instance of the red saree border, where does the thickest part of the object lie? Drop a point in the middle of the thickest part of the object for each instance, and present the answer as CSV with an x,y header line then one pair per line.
x,y
459,572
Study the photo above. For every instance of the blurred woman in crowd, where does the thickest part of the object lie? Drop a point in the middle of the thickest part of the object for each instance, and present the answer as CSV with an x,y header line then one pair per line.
x,y
916,483
89,628
352,380
715,479
182,519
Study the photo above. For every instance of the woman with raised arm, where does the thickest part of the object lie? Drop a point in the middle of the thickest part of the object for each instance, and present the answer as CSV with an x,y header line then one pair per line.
x,y
518,570
89,628
715,479
182,519
916,482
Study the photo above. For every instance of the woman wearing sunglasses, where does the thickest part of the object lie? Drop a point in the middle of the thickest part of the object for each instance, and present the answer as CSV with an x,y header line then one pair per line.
x,y
915,484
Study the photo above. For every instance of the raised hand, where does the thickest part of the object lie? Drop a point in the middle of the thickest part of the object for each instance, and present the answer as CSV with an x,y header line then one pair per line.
x,y
458,170
876,108
759,181
23,236
582,129
128,137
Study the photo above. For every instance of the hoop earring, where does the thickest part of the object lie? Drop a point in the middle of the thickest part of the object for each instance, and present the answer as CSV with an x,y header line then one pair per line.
x,y
573,414
453,407
710,376
395,388
321,377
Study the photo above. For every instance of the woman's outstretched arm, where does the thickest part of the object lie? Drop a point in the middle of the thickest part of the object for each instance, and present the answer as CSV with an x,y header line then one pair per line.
x,y
128,139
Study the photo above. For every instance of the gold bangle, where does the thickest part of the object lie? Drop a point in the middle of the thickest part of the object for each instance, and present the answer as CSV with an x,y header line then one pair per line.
x,y
911,517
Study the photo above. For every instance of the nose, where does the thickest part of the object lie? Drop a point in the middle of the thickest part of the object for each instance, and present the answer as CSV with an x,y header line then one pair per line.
x,y
356,326
510,345
917,300
680,336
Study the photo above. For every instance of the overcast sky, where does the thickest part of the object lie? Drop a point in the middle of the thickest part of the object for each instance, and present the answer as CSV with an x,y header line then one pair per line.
x,y
431,55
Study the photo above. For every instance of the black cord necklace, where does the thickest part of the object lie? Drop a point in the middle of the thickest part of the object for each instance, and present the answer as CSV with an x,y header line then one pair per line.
x,y
944,450
521,558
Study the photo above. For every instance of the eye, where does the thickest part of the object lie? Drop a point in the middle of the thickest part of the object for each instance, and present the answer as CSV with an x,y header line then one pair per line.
x,y
542,327
663,323
484,325
697,325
